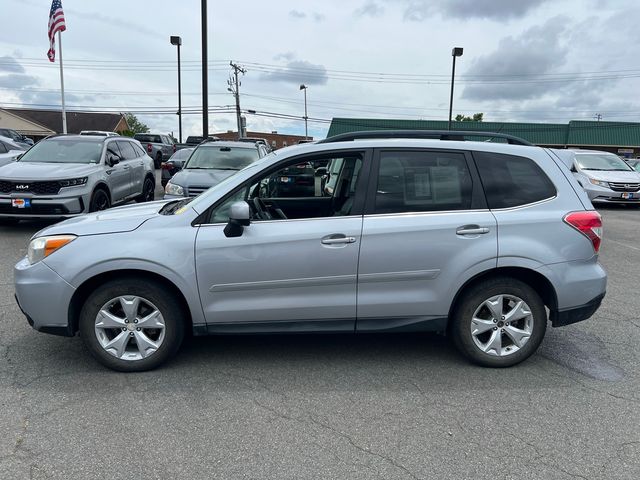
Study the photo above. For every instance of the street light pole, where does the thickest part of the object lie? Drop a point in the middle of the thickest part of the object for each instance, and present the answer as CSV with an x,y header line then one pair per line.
x,y
456,52
205,73
306,131
177,41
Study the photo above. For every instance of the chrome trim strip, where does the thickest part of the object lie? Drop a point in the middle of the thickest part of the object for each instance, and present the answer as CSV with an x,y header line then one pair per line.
x,y
526,205
286,283
398,276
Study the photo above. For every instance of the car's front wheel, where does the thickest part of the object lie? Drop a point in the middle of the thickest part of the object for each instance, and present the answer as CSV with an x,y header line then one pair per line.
x,y
499,322
132,324
99,200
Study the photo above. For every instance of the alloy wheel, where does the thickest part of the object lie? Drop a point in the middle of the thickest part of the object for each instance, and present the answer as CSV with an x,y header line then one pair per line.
x,y
502,325
130,327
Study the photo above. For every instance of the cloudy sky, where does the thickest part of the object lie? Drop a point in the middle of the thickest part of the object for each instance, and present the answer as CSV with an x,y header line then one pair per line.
x,y
524,60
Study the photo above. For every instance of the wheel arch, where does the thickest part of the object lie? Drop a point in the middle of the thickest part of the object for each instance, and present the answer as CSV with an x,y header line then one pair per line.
x,y
535,280
90,284
101,185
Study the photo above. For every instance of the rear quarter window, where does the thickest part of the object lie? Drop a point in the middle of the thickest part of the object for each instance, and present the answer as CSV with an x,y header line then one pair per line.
x,y
512,181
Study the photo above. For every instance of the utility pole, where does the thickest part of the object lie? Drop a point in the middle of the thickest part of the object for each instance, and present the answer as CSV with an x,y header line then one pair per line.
x,y
234,87
598,116
205,72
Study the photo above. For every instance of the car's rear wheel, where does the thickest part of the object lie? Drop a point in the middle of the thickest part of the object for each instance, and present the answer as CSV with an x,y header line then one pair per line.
x,y
132,324
499,322
99,200
148,190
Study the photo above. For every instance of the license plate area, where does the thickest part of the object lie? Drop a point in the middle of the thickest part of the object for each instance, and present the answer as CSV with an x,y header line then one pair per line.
x,y
628,196
21,202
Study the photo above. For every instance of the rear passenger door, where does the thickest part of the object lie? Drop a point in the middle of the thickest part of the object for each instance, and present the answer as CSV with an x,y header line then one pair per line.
x,y
119,175
426,230
129,160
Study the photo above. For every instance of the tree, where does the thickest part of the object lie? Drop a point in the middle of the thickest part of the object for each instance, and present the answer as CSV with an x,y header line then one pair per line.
x,y
477,117
135,125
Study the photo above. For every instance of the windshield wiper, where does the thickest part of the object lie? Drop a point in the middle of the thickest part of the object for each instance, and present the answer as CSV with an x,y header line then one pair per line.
x,y
223,168
599,169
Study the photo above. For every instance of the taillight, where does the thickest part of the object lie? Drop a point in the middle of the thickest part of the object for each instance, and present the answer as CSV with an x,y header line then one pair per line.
x,y
149,148
589,224
166,165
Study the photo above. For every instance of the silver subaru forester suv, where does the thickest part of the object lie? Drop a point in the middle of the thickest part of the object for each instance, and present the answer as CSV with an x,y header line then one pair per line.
x,y
68,175
405,231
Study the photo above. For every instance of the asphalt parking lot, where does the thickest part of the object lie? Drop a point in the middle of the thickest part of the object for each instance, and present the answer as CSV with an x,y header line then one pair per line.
x,y
343,407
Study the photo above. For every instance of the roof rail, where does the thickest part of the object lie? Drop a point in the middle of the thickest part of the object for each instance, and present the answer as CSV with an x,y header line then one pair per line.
x,y
457,135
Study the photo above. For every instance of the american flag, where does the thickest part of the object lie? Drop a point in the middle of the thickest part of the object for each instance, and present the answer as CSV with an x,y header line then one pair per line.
x,y
56,24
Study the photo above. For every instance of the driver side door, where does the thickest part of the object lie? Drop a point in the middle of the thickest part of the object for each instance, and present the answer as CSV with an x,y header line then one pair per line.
x,y
118,175
281,274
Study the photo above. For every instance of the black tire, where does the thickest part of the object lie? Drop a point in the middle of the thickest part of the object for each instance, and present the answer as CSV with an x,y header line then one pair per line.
x,y
148,191
161,297
460,323
158,160
99,200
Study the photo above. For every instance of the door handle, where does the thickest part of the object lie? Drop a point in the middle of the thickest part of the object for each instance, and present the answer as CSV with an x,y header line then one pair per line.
x,y
471,230
337,240
126,167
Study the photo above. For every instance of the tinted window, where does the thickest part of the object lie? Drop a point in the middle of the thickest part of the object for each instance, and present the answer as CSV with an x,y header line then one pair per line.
x,y
144,137
510,181
139,150
128,153
422,182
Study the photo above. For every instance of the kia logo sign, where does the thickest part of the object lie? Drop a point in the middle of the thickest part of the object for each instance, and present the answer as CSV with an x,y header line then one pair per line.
x,y
22,187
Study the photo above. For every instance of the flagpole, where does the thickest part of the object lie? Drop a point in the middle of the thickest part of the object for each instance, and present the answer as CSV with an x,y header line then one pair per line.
x,y
64,112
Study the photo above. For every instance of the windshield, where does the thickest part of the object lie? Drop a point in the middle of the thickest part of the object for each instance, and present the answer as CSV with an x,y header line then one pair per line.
x,y
64,150
222,158
601,162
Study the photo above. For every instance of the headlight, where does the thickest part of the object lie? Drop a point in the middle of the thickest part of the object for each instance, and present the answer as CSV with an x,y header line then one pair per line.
x,y
173,189
73,182
42,247
600,183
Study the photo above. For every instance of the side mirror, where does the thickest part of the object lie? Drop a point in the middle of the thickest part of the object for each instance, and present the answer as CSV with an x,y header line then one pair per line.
x,y
321,171
239,217
112,159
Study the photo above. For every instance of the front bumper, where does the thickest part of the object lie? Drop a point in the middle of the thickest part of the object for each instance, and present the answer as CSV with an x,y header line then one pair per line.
x,y
44,297
43,207
606,195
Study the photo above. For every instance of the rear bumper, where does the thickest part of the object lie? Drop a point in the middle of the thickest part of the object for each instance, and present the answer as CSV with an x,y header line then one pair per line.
x,y
560,318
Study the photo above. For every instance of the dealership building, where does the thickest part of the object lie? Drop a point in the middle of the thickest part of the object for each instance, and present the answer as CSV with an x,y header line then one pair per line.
x,y
622,138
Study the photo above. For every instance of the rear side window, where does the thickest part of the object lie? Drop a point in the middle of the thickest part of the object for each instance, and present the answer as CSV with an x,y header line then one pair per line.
x,y
127,149
415,181
138,149
511,181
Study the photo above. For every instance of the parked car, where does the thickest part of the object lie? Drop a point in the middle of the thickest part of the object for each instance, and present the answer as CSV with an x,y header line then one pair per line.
x,y
606,177
174,164
68,175
10,150
158,146
294,181
634,163
476,239
100,133
15,136
263,141
194,140
209,164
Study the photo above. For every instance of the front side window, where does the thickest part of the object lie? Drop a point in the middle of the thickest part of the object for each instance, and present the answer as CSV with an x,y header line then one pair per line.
x,y
511,181
64,150
421,181
296,191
